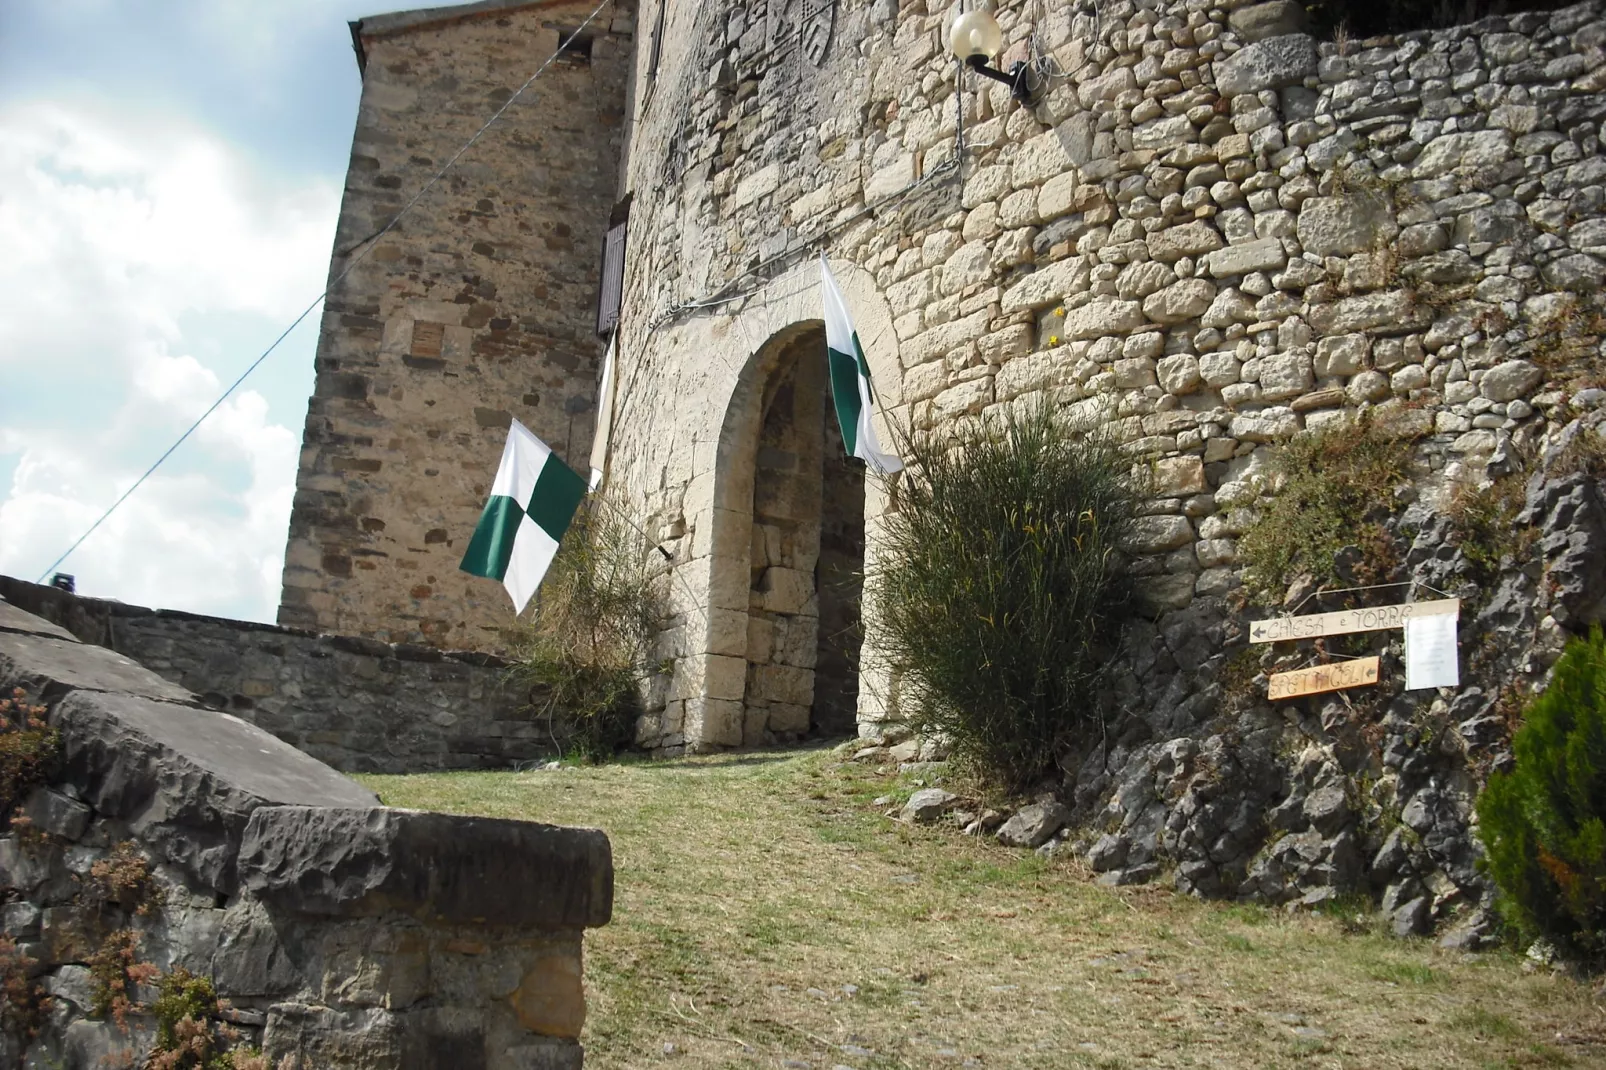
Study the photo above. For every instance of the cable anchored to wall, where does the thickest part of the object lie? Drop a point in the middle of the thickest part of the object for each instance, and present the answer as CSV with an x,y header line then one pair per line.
x,y
366,245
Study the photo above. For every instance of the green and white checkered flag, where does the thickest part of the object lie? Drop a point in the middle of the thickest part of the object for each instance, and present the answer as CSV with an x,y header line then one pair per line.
x,y
850,380
532,501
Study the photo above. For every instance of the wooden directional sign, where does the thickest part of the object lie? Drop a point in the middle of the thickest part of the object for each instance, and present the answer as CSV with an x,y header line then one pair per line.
x,y
1375,619
1318,678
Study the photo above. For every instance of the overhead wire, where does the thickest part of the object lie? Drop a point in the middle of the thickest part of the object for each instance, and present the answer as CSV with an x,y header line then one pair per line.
x,y
367,245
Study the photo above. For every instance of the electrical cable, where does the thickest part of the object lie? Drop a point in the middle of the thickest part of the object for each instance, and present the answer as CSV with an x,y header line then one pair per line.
x,y
338,279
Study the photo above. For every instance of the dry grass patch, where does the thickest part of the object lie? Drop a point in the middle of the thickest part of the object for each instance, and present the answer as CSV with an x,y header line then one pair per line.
x,y
768,916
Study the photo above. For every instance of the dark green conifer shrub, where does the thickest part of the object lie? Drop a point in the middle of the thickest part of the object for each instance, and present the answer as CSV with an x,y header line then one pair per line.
x,y
1544,823
1000,590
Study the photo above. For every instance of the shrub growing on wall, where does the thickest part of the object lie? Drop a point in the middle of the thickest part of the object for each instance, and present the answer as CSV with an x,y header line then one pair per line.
x,y
586,652
1335,491
29,748
1000,589
1544,823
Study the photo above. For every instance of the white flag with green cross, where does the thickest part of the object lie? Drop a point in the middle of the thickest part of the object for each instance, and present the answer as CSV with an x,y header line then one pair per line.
x,y
850,381
532,502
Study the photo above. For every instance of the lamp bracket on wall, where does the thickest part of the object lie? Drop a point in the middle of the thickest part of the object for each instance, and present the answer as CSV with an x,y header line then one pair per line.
x,y
1018,77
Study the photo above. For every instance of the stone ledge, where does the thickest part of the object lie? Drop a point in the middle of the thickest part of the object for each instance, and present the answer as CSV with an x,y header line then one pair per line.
x,y
48,668
441,868
185,778
13,619
88,619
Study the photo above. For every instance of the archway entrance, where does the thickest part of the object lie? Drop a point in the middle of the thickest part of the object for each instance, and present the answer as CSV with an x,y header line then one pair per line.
x,y
803,517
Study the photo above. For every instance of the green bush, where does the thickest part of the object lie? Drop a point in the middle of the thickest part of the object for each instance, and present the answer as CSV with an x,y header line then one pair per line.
x,y
1544,823
587,651
188,1036
1335,490
1000,588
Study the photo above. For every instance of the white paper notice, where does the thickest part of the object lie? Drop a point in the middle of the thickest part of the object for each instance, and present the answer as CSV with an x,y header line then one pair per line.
x,y
1431,655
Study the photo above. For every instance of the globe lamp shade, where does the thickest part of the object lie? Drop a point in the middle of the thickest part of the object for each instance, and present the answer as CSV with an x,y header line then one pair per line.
x,y
975,34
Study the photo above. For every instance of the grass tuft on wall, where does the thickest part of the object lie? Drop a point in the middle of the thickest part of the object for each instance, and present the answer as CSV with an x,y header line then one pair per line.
x,y
587,651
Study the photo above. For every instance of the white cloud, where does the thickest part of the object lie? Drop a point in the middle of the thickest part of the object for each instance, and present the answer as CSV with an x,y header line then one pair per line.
x,y
119,231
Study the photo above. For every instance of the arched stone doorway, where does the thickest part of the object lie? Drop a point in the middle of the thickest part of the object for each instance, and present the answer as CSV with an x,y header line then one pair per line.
x,y
789,516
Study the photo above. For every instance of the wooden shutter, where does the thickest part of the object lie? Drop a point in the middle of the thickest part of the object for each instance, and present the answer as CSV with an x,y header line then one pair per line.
x,y
657,48
613,270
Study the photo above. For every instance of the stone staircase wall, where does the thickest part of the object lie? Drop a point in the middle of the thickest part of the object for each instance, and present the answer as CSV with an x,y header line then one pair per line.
x,y
338,931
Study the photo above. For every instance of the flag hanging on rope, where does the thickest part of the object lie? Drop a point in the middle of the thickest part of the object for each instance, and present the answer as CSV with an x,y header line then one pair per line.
x,y
532,501
850,380
599,440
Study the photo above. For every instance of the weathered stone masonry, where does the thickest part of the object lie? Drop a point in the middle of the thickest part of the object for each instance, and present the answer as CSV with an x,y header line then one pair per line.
x,y
358,704
1211,233
476,308
341,932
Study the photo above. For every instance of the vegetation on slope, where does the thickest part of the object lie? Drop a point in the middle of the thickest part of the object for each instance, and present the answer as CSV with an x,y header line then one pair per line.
x,y
768,912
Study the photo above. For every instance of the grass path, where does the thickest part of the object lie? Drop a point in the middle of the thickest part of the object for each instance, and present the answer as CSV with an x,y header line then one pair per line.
x,y
767,916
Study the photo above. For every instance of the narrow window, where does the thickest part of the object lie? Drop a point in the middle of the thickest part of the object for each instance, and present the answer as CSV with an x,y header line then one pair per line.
x,y
657,49
574,49
613,268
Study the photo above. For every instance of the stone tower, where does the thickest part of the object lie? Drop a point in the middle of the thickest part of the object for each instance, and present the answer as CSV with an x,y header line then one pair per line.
x,y
478,307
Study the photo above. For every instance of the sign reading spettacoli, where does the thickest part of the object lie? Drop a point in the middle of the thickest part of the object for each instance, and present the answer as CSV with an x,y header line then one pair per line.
x,y
1319,678
1375,619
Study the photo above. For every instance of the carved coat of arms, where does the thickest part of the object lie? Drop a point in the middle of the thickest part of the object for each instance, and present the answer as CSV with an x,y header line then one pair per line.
x,y
806,25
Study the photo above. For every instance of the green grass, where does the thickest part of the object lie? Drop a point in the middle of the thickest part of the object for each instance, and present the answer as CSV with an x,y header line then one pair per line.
x,y
766,912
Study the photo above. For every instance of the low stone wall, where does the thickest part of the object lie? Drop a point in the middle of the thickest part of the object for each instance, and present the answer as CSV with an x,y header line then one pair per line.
x,y
358,704
337,931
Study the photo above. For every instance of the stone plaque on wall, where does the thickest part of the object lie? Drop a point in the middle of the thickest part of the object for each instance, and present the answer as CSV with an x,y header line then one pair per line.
x,y
804,27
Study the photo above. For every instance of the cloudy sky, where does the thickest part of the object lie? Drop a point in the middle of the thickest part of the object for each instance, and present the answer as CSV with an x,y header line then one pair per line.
x,y
170,174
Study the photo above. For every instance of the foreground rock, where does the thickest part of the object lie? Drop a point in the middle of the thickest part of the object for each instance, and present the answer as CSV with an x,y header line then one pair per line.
x,y
342,933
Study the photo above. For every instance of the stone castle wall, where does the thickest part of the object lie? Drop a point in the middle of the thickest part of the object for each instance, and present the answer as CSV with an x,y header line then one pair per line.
x,y
360,705
1209,235
1212,233
477,308
339,932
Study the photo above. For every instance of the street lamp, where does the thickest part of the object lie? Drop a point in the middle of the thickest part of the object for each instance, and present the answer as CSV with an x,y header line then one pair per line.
x,y
974,39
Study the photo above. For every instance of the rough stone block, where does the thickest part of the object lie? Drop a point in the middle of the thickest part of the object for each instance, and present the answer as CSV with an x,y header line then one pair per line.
x,y
1134,374
785,590
1392,309
784,683
1047,286
1179,374
1185,239
1343,354
187,779
1465,151
1266,254
1033,825
1156,534
550,999
1511,380
1284,375
445,868
1269,64
1180,301
1257,22
57,814
1339,226
45,665
1176,477
1101,317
